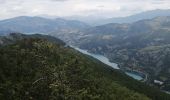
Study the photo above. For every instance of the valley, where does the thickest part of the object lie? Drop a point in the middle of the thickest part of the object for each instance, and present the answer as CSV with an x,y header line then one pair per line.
x,y
142,46
125,58
134,74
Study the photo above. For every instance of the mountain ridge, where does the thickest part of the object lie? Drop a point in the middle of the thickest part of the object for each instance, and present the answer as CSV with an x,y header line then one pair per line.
x,y
26,24
47,71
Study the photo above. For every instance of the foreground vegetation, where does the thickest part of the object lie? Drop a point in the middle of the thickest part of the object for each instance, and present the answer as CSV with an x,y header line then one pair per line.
x,y
36,69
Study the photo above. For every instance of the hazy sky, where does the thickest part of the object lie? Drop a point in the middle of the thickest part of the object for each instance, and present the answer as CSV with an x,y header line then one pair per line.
x,y
106,8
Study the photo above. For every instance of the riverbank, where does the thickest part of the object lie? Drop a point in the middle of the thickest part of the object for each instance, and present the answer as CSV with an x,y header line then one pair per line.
x,y
134,74
143,77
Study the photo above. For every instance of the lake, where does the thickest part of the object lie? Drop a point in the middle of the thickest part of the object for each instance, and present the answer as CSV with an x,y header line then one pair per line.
x,y
106,61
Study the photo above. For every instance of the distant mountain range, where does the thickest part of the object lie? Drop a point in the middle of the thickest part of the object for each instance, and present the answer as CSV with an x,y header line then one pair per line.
x,y
25,24
140,16
94,20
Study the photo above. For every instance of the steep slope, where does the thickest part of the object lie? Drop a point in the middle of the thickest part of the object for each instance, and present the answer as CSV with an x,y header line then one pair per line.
x,y
142,46
155,30
34,68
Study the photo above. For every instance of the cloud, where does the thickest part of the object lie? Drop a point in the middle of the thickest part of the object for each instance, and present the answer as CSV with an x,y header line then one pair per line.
x,y
100,8
59,0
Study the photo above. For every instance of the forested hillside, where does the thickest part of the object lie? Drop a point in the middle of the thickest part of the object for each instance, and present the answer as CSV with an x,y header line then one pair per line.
x,y
37,69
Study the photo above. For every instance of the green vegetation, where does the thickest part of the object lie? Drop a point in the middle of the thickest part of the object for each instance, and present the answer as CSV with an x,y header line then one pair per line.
x,y
143,45
40,70
36,69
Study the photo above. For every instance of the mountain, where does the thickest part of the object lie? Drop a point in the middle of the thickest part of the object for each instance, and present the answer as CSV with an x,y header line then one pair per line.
x,y
90,19
97,20
140,16
14,37
143,46
25,24
40,67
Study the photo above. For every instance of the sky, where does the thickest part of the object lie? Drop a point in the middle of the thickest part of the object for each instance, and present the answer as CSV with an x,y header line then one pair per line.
x,y
60,8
